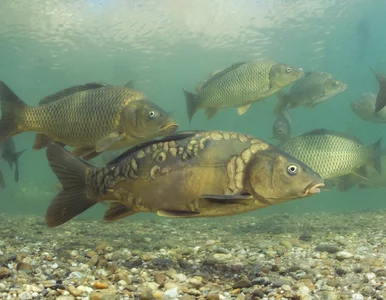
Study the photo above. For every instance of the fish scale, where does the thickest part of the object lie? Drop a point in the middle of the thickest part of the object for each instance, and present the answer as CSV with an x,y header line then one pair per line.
x,y
328,155
97,120
246,80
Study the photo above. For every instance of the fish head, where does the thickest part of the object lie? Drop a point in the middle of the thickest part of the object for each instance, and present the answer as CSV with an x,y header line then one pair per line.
x,y
277,177
333,87
365,105
145,119
282,75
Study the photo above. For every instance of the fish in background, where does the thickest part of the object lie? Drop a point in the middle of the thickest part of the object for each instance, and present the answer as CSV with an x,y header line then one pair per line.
x,y
2,182
92,118
281,128
189,174
364,35
239,86
311,90
332,154
364,108
10,155
381,95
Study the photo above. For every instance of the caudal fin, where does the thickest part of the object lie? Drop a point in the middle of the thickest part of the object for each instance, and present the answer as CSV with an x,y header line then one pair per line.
x,y
11,109
18,154
2,182
282,103
377,156
191,105
75,196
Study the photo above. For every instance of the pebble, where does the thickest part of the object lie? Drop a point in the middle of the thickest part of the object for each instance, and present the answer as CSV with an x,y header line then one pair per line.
x,y
341,255
3,287
330,248
357,296
281,282
171,293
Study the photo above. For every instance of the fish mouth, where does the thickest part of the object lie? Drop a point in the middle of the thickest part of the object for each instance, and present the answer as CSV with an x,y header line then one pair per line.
x,y
344,87
169,128
313,189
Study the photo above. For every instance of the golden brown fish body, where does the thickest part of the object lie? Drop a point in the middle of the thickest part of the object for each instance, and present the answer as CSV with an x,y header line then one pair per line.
x,y
91,117
188,174
239,86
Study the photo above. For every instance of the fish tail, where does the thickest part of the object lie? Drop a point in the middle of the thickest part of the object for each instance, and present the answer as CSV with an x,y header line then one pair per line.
x,y
18,154
76,195
377,156
12,109
282,103
191,104
2,182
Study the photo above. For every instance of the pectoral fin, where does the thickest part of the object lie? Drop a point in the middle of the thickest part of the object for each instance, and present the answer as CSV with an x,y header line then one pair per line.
x,y
104,143
227,199
177,214
118,211
242,109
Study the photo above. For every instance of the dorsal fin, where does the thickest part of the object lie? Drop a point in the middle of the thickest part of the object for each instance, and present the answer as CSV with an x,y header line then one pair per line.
x,y
70,91
174,137
129,84
217,74
322,131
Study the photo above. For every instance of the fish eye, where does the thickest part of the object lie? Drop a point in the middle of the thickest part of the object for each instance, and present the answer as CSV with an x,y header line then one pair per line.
x,y
151,114
336,82
288,70
292,169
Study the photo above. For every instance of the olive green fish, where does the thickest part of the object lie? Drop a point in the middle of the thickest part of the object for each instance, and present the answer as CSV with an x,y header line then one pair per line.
x,y
364,108
187,174
239,86
381,95
332,154
93,117
281,128
311,90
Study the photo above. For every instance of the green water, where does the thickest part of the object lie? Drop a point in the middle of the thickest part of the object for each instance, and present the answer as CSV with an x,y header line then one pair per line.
x,y
168,45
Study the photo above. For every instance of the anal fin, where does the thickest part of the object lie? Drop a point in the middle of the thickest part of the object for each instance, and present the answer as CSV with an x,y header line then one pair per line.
x,y
118,211
242,109
41,141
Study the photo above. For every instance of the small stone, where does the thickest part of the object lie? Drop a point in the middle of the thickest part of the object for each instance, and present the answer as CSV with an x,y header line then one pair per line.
x,y
341,255
159,278
330,248
171,293
281,282
25,296
357,296
221,257
3,287
196,281
242,283
370,276
181,277
329,295
368,291
100,285
286,288
65,297
4,272
258,293
24,267
96,296
74,291
303,291
213,297
93,260
261,281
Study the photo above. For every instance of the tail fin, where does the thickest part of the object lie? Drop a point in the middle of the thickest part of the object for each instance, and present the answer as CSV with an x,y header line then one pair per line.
x,y
18,154
76,196
2,182
282,103
11,108
191,105
377,156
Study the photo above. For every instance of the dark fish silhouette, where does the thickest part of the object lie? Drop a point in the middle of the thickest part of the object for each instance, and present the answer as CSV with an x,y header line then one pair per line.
x,y
2,182
8,153
381,96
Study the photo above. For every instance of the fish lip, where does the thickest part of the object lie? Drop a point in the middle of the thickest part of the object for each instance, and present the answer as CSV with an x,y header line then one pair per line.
x,y
313,188
169,127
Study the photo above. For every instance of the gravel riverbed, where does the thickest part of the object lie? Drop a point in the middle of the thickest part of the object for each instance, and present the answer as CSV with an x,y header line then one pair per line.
x,y
309,256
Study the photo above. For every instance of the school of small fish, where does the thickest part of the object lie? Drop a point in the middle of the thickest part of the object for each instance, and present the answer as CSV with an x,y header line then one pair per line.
x,y
150,166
